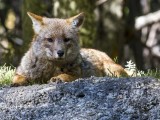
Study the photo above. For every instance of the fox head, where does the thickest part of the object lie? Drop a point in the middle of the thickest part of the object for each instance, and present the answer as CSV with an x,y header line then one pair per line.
x,y
56,39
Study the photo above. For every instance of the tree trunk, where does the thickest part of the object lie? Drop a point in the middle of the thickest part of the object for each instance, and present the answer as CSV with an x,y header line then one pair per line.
x,y
39,7
133,37
110,30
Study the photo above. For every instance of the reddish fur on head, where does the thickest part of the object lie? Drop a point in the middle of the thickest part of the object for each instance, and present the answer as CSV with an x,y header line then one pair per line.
x,y
38,18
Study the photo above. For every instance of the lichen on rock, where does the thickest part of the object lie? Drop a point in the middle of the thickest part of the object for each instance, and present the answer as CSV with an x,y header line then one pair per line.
x,y
102,98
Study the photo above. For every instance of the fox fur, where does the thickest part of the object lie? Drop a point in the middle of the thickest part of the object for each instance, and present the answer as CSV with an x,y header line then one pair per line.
x,y
55,53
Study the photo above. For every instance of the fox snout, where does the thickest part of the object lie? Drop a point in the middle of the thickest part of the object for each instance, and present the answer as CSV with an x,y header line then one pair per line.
x,y
55,54
60,53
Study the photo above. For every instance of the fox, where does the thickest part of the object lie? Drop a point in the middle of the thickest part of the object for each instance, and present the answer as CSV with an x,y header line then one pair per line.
x,y
55,54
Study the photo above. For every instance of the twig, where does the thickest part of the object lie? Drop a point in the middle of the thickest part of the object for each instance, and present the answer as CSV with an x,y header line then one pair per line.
x,y
99,2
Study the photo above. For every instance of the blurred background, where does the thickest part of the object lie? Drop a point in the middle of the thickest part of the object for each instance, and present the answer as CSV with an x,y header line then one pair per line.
x,y
124,29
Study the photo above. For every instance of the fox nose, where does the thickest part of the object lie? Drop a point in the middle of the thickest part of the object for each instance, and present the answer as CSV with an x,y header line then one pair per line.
x,y
60,53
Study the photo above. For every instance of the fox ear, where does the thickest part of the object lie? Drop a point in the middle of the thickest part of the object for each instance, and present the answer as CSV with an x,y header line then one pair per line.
x,y
37,22
76,21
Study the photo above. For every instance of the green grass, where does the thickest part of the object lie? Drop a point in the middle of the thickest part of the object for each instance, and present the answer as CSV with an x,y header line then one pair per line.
x,y
152,73
6,74
132,70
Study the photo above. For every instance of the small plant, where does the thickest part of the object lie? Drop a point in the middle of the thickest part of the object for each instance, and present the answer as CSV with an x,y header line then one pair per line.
x,y
134,72
116,59
6,74
131,68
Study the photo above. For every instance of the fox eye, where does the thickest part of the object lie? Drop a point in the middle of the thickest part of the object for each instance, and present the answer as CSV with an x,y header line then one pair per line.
x,y
49,39
67,39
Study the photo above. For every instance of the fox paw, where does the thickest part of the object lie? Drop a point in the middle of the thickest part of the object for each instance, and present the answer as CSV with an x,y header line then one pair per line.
x,y
55,79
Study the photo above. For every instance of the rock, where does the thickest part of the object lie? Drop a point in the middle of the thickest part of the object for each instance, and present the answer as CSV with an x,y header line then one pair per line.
x,y
84,99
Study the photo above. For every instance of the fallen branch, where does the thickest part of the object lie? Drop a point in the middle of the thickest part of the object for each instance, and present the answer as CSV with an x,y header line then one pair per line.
x,y
99,2
145,20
